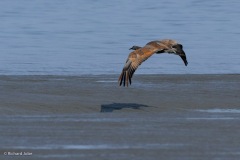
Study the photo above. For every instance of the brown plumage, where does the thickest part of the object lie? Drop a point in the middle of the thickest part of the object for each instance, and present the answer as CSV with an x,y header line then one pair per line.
x,y
140,54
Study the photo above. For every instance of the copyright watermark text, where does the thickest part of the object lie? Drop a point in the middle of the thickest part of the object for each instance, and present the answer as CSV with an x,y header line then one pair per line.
x,y
17,153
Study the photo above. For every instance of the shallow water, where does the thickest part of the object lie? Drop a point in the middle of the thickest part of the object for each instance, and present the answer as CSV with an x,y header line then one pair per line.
x,y
165,135
93,37
158,117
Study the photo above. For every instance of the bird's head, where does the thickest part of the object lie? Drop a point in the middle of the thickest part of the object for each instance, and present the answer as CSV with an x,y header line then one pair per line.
x,y
134,48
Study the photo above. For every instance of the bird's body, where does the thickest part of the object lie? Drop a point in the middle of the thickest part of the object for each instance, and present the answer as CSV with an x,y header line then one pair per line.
x,y
140,54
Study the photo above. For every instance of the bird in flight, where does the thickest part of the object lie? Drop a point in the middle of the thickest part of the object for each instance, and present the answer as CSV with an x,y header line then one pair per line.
x,y
140,54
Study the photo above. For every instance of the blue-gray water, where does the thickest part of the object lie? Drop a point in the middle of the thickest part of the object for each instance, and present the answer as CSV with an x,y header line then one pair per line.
x,y
93,37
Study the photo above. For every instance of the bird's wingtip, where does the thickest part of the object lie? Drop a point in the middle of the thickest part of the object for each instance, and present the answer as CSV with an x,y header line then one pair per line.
x,y
124,79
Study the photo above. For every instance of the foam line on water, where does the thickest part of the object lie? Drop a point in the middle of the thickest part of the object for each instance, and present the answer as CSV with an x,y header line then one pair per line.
x,y
105,81
218,110
99,147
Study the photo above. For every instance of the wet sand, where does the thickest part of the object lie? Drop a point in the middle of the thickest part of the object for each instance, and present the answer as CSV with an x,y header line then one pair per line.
x,y
91,117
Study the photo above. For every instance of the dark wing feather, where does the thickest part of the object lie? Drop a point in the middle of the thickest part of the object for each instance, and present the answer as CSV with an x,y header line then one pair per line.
x,y
184,58
181,53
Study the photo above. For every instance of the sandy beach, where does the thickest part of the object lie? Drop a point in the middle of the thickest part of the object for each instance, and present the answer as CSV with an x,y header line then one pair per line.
x,y
91,117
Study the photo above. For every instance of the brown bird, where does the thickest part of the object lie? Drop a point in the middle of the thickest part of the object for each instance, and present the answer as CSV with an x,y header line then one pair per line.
x,y
140,54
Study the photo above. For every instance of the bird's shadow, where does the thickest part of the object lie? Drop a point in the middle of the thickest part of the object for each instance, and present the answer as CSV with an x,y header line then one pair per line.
x,y
118,106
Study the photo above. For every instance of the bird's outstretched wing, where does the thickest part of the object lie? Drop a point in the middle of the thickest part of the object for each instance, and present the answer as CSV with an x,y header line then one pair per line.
x,y
178,47
134,60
